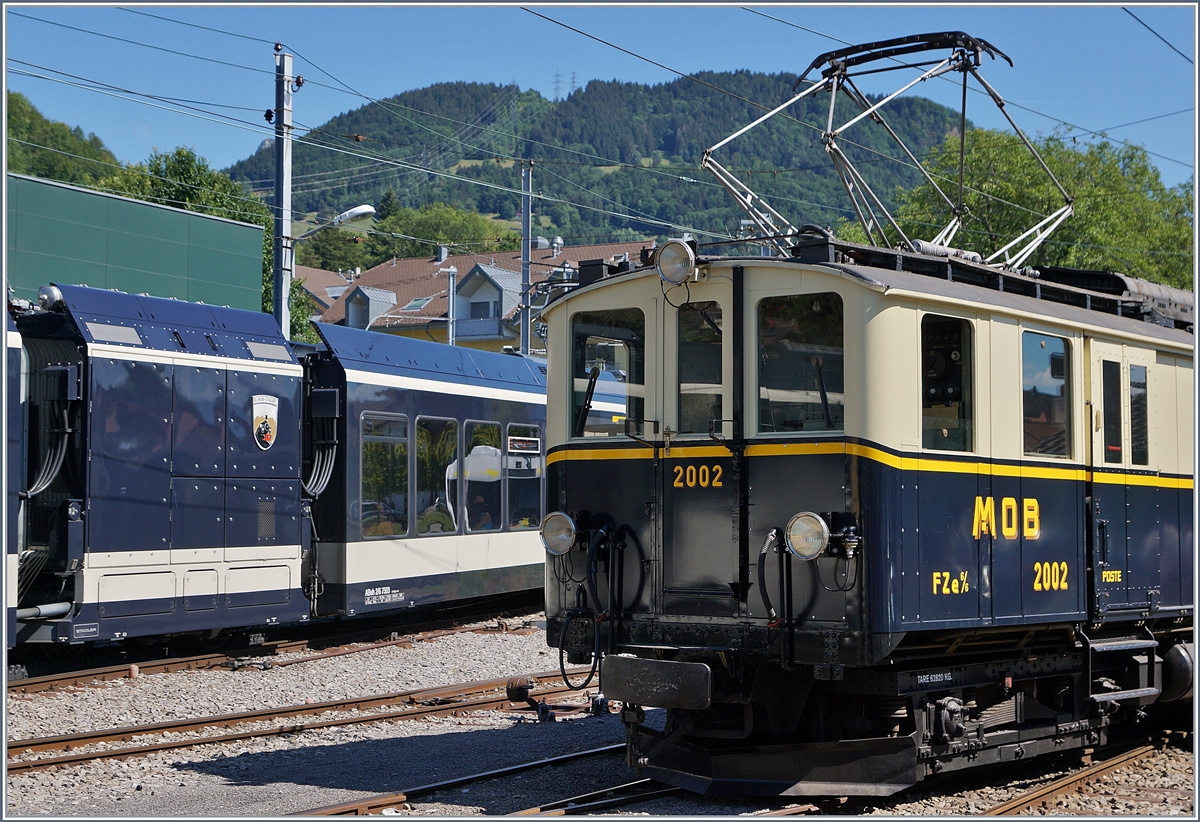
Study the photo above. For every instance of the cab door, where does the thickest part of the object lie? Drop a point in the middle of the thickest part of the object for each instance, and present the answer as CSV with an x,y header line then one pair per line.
x,y
609,476
699,486
1123,508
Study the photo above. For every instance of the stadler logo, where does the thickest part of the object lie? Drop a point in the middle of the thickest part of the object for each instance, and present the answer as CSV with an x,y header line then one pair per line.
x,y
266,420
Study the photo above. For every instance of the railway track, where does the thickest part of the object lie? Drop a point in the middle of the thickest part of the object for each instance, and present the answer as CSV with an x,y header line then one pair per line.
x,y
629,793
1044,796
377,804
418,704
258,656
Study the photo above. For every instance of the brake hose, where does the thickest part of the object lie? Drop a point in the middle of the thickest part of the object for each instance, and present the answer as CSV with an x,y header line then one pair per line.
x,y
579,611
773,620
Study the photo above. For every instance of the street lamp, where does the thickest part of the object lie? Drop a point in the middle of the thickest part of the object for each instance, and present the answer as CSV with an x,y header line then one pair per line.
x,y
284,264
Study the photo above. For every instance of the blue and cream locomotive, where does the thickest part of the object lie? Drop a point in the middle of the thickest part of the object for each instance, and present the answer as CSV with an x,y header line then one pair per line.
x,y
178,468
867,514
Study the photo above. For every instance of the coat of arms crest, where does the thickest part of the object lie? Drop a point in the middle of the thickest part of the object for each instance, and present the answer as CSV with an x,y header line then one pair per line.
x,y
266,420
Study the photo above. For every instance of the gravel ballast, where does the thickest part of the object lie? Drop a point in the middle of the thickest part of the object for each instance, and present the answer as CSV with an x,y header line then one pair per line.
x,y
294,772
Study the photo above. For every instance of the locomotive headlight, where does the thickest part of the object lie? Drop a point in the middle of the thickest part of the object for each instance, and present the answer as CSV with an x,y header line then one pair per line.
x,y
675,261
806,535
558,533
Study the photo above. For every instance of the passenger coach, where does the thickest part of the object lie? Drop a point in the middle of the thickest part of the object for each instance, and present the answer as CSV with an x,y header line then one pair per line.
x,y
176,468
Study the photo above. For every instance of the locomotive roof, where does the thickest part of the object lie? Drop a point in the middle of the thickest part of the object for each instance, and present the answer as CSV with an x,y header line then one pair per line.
x,y
139,321
392,354
967,293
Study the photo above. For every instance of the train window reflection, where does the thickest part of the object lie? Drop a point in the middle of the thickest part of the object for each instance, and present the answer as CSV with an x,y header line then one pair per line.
x,y
523,460
609,362
384,488
947,402
437,484
800,363
699,366
1045,376
1139,428
481,470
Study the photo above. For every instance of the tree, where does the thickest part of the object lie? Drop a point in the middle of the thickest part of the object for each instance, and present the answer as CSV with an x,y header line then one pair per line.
x,y
388,205
436,223
333,249
52,150
183,179
1125,218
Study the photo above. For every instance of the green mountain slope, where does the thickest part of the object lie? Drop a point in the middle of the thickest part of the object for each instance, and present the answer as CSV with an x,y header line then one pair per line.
x,y
610,147
28,129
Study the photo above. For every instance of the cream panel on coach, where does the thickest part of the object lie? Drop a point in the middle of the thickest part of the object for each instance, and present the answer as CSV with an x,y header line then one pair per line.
x,y
515,548
121,587
128,559
399,559
245,553
184,556
200,583
248,580
10,589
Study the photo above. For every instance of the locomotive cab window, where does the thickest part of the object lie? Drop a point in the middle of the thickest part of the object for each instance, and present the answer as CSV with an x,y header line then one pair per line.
x,y
1046,394
437,477
801,358
481,470
608,371
523,463
384,488
1111,375
1139,426
700,390
947,393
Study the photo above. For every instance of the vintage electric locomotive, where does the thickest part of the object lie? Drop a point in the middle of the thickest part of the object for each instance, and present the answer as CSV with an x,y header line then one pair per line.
x,y
183,469
863,514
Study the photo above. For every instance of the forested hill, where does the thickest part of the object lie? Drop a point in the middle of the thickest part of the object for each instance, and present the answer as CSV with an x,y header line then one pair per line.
x,y
617,147
46,148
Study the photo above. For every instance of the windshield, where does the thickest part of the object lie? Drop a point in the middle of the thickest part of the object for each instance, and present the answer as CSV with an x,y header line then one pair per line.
x,y
608,371
801,363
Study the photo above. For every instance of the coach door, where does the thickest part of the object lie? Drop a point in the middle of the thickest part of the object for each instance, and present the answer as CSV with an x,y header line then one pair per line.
x,y
700,549
1123,511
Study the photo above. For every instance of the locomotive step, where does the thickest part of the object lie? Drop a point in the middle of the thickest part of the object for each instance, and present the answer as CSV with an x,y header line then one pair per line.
x,y
1122,644
1136,693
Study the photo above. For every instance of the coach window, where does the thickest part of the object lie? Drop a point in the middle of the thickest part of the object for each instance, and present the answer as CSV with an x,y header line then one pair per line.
x,y
608,371
524,463
699,367
1139,427
384,489
800,364
481,469
1046,394
437,475
1111,377
947,401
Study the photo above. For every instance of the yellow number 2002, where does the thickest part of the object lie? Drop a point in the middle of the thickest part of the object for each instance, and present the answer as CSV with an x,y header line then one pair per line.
x,y
704,476
1050,576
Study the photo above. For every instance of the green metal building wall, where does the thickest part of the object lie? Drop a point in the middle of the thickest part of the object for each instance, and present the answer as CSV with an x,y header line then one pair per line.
x,y
60,233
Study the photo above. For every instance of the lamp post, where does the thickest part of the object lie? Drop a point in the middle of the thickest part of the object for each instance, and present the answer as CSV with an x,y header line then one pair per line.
x,y
285,265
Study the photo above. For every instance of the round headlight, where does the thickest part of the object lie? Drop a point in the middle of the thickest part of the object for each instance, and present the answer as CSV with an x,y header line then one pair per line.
x,y
558,533
806,535
675,261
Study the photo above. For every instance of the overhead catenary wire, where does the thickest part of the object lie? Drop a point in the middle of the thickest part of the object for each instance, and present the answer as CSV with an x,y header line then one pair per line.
x,y
392,161
1159,36
384,163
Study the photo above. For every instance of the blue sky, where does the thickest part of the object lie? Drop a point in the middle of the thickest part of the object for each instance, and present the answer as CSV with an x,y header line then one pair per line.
x,y
1095,67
